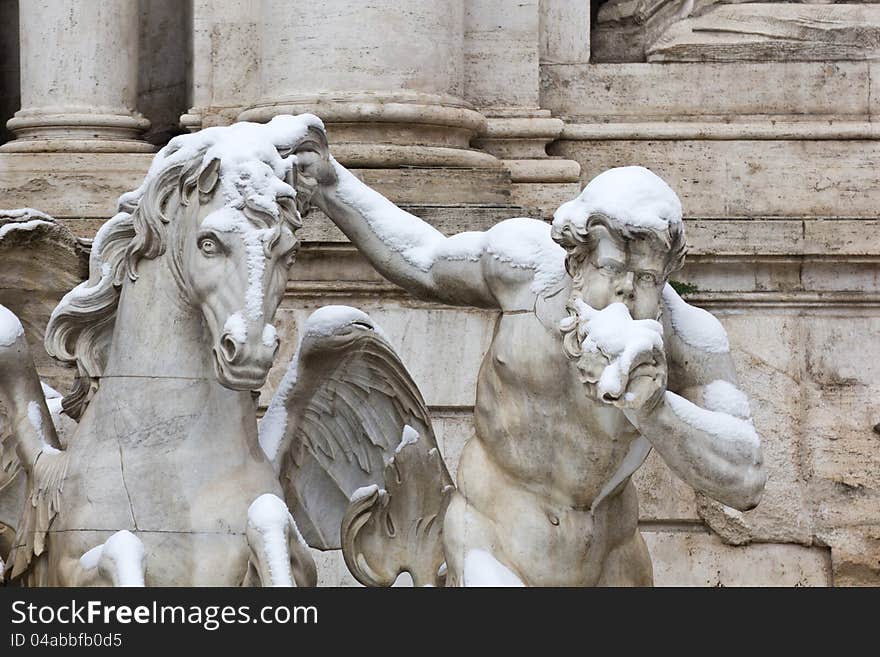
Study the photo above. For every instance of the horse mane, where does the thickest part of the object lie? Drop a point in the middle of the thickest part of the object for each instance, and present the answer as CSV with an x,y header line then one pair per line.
x,y
80,328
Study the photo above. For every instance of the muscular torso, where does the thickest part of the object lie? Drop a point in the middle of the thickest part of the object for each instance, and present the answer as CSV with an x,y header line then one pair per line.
x,y
533,415
542,454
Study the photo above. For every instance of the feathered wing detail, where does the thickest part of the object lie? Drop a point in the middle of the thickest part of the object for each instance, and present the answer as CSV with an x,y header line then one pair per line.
x,y
335,426
42,504
399,527
36,445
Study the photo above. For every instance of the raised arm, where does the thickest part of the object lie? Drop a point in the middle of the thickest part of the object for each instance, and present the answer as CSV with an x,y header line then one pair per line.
x,y
471,268
702,425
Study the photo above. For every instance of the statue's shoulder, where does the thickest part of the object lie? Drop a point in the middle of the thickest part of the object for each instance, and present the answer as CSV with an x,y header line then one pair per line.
x,y
693,327
520,251
697,348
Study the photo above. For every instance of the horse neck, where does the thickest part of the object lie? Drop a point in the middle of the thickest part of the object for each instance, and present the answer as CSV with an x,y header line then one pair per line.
x,y
157,333
159,338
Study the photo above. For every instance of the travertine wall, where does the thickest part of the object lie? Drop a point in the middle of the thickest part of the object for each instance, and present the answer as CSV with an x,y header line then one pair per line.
x,y
775,162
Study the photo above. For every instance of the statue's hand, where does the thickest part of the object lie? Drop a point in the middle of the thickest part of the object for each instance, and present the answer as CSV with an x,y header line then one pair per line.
x,y
314,174
646,384
313,164
590,365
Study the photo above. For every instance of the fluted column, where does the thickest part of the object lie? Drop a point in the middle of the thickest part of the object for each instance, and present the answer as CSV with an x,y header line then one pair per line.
x,y
78,78
387,77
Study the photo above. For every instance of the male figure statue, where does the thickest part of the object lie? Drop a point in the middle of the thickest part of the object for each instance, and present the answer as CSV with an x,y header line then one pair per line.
x,y
574,390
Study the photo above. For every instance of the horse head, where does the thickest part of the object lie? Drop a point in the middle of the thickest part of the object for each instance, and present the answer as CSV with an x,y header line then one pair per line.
x,y
231,259
232,262
220,207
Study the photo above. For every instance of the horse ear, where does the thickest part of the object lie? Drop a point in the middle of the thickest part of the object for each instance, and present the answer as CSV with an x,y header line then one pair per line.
x,y
209,175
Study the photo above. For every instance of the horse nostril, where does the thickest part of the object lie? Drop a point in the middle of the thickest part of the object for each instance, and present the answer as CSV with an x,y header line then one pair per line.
x,y
229,348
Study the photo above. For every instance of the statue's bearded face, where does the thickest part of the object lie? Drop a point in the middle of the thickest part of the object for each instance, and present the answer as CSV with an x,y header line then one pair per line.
x,y
631,272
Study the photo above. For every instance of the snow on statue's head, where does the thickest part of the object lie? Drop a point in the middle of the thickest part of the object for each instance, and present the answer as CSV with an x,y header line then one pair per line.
x,y
631,203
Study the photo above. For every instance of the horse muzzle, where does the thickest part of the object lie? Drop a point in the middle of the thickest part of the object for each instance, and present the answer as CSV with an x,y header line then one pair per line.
x,y
243,365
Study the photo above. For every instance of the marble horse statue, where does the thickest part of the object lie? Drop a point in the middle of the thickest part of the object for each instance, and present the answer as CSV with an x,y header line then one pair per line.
x,y
167,479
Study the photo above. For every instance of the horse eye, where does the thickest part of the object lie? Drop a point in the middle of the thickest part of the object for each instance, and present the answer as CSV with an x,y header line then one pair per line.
x,y
209,246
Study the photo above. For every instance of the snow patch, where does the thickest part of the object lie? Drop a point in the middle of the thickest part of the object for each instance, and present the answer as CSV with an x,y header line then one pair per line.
x,y
633,196
720,425
327,320
230,220
22,226
49,392
236,327
23,219
248,153
409,437
724,397
122,556
403,233
482,569
616,335
274,422
21,213
270,336
521,243
53,402
693,325
90,560
10,327
526,244
35,417
364,492
268,514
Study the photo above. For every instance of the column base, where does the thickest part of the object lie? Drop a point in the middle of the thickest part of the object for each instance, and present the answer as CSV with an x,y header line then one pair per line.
x,y
519,137
77,133
370,130
192,120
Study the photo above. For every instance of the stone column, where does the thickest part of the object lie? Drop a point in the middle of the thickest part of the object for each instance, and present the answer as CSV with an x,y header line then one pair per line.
x,y
78,78
386,76
504,44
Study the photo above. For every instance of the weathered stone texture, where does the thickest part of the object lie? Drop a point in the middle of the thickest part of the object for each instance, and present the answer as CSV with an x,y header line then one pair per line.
x,y
734,92
685,559
772,31
727,178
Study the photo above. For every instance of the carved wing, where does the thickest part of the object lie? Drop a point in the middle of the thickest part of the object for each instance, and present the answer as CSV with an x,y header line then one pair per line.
x,y
333,430
31,244
35,441
399,527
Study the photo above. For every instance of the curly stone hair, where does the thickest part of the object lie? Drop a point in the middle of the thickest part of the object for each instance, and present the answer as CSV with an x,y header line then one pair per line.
x,y
579,241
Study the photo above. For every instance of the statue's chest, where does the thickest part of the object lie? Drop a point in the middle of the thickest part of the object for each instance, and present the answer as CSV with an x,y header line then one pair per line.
x,y
530,390
527,353
188,470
